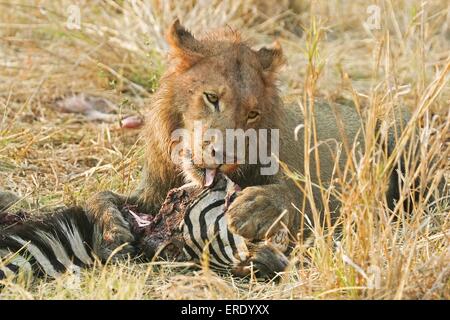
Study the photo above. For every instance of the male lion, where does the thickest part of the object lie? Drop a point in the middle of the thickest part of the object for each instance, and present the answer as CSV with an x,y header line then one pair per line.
x,y
222,82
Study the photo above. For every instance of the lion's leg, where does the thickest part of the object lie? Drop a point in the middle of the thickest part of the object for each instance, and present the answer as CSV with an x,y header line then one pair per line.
x,y
261,211
105,208
112,232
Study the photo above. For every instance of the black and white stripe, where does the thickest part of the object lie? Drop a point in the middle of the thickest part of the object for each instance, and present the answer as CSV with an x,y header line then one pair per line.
x,y
207,238
69,240
61,242
206,232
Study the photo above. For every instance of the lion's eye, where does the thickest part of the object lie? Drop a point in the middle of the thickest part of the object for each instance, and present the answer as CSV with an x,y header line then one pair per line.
x,y
252,115
212,98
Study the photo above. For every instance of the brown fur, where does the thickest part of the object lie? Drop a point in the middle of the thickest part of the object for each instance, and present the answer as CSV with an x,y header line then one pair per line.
x,y
244,80
172,106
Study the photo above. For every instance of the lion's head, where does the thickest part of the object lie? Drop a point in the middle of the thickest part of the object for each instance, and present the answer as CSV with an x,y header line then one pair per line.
x,y
218,82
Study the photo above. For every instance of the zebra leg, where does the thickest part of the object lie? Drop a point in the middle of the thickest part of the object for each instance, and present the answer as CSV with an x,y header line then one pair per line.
x,y
113,234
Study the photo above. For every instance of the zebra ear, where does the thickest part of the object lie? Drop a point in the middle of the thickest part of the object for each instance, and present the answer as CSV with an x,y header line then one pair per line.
x,y
182,42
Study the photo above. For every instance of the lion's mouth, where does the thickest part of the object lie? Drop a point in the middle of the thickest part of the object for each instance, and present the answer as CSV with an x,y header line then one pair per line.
x,y
207,176
210,174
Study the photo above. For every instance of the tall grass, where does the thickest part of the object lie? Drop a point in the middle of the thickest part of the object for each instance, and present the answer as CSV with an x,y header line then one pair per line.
x,y
370,251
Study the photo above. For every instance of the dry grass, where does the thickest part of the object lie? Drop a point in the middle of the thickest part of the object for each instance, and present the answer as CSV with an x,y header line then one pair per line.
x,y
51,158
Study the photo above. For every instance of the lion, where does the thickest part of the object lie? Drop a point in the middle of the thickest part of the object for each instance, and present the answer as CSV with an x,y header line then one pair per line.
x,y
220,80
223,83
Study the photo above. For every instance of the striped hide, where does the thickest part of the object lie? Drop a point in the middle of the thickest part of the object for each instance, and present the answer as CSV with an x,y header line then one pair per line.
x,y
69,239
207,236
61,242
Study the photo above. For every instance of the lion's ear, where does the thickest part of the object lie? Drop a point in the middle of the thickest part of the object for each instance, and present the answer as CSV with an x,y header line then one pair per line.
x,y
182,41
271,58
